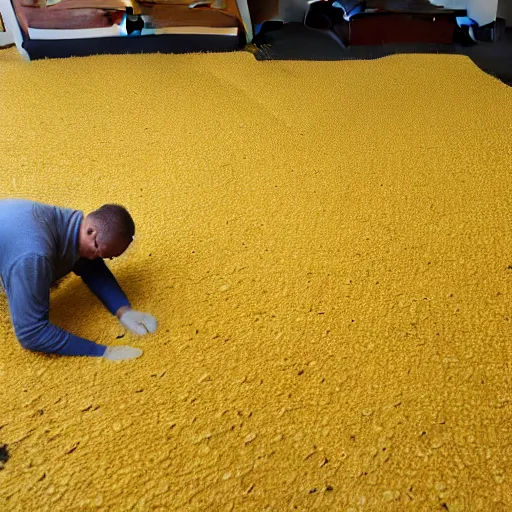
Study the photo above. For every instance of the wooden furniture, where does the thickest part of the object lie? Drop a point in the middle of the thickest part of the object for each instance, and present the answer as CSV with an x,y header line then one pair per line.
x,y
60,28
385,27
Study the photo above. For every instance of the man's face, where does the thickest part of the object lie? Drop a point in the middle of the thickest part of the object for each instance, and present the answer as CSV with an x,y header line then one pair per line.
x,y
92,246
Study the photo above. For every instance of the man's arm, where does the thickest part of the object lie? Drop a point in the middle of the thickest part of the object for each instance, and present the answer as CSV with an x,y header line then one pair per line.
x,y
27,285
98,278
103,284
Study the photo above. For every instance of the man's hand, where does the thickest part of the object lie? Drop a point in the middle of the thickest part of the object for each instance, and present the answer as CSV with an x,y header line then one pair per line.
x,y
122,353
137,322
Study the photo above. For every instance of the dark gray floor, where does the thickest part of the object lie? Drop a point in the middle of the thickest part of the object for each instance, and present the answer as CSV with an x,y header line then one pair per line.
x,y
296,42
168,43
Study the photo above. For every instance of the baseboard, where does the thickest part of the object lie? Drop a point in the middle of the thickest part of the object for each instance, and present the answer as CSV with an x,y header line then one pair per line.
x,y
167,43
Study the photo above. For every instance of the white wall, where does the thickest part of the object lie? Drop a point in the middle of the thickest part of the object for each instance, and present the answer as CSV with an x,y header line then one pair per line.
x,y
482,11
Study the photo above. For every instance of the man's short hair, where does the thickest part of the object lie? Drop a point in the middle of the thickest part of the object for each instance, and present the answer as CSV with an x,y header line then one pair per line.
x,y
114,223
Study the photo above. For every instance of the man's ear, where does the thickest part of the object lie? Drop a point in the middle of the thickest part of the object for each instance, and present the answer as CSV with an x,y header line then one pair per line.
x,y
91,229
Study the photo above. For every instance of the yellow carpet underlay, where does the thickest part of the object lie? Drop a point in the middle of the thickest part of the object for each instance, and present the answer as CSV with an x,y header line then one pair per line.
x,y
328,250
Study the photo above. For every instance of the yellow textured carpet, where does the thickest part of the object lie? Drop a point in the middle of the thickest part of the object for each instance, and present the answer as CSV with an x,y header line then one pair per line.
x,y
328,250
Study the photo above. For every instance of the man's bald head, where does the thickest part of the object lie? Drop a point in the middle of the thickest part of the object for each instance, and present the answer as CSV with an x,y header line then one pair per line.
x,y
106,232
